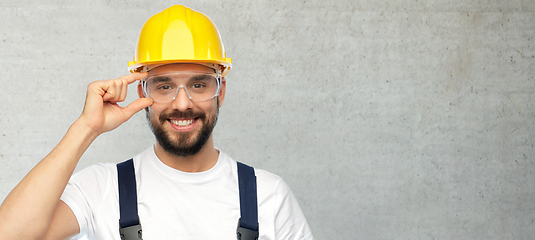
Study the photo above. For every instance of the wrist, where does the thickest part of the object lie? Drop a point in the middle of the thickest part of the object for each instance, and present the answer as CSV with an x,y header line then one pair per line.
x,y
79,128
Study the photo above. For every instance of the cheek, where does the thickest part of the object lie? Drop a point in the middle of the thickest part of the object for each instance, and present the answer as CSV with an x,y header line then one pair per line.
x,y
154,114
156,109
150,112
211,108
206,106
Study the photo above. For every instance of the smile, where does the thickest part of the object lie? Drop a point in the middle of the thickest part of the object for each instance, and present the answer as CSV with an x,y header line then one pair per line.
x,y
182,123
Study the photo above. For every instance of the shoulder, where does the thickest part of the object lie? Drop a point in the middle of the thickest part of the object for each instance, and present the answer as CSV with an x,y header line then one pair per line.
x,y
96,172
267,178
88,190
94,180
267,182
279,209
272,186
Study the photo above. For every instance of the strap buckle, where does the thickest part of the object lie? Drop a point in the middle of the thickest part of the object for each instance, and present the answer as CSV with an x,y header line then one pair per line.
x,y
131,233
245,233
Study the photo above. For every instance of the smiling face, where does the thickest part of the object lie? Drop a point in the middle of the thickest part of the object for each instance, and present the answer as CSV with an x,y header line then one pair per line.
x,y
182,127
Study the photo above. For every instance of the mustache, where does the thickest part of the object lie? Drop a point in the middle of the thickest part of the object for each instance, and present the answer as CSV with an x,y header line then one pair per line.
x,y
178,114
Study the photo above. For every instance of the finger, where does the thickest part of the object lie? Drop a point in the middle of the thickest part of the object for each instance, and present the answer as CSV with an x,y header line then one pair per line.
x,y
110,90
130,78
119,91
122,90
136,106
116,91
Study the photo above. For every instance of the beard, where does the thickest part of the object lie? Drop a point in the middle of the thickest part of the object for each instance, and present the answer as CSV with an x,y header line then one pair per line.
x,y
185,143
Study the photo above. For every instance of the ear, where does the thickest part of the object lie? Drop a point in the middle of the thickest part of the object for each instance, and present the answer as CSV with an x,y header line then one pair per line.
x,y
222,91
140,90
140,93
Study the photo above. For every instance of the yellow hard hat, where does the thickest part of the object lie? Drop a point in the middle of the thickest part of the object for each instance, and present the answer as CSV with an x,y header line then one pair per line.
x,y
179,34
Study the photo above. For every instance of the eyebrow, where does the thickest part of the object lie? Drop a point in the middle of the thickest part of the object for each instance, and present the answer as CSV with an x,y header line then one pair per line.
x,y
201,77
198,77
158,79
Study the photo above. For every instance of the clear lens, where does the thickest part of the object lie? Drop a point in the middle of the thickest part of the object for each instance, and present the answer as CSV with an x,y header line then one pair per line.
x,y
198,86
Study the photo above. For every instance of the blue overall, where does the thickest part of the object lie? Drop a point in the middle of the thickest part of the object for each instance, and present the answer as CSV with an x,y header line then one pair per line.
x,y
130,228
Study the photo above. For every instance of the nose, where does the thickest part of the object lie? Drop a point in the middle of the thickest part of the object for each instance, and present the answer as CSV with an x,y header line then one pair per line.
x,y
182,101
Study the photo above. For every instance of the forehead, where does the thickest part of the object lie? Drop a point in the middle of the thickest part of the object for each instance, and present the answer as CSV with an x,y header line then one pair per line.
x,y
180,67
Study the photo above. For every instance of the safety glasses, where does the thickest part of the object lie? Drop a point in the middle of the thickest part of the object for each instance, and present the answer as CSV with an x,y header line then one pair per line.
x,y
199,86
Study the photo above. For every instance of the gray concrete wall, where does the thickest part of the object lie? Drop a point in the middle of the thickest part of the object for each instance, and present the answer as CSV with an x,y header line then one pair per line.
x,y
389,119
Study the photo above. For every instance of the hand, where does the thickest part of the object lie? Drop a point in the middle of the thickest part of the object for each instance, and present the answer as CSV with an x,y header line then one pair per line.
x,y
101,111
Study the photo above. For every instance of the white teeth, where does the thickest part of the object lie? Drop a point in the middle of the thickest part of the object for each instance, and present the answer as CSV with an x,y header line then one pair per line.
x,y
182,123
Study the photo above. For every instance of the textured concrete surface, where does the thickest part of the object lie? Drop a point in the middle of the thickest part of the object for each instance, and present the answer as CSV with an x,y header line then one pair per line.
x,y
389,119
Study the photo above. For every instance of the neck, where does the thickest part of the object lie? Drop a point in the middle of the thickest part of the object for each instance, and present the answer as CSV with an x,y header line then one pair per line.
x,y
202,161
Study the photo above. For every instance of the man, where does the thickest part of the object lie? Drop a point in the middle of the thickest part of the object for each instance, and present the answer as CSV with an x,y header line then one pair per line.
x,y
186,188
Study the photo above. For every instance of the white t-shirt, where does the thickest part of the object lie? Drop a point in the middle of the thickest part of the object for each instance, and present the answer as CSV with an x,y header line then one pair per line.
x,y
180,205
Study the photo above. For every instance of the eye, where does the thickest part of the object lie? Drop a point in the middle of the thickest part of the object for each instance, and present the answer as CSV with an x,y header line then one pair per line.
x,y
198,85
164,87
160,83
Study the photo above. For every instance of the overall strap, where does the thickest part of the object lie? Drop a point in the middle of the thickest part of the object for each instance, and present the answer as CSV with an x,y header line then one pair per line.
x,y
130,228
248,223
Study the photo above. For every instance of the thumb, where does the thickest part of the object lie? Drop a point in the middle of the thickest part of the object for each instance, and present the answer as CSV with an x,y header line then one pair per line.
x,y
136,106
